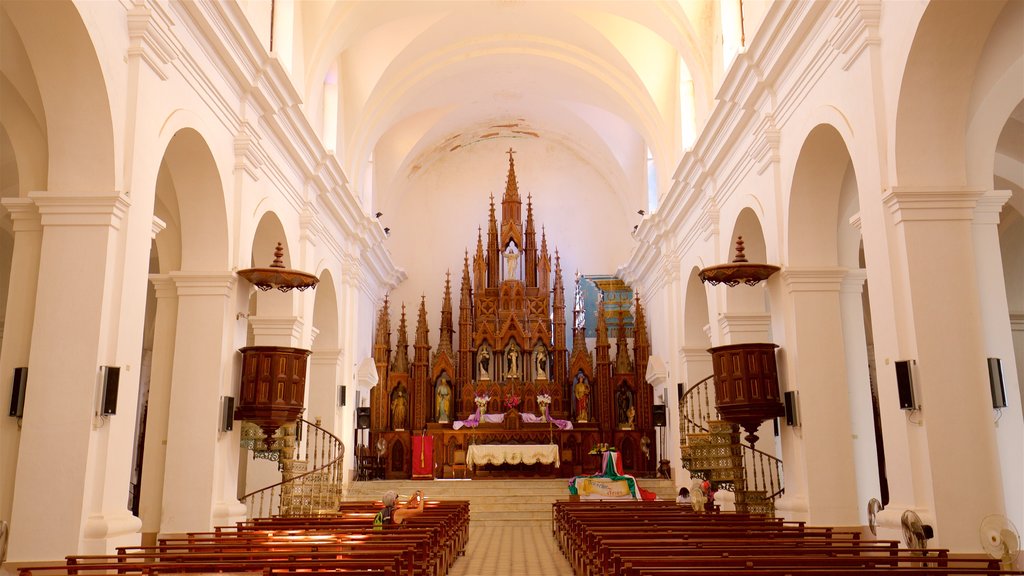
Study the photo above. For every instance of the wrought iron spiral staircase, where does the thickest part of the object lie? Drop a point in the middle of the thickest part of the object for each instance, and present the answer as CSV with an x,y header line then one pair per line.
x,y
310,460
712,450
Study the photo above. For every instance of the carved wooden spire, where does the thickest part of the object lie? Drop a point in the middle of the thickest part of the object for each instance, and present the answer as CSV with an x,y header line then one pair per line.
x,y
543,262
447,329
511,208
623,363
479,262
493,250
422,332
382,341
530,246
401,363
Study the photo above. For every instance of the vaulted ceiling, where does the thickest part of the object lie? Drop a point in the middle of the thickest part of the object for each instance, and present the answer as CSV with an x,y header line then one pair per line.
x,y
420,79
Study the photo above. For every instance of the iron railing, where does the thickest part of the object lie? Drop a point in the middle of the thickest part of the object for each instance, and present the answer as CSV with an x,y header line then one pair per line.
x,y
697,407
311,461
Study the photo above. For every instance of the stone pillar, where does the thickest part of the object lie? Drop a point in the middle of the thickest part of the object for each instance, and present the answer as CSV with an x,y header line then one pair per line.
x,y
858,378
17,332
941,329
201,464
998,343
815,366
155,450
322,385
75,313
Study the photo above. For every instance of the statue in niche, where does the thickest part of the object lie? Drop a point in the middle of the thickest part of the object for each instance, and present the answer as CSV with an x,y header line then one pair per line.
x,y
624,407
511,261
483,361
398,409
442,399
512,362
540,361
581,389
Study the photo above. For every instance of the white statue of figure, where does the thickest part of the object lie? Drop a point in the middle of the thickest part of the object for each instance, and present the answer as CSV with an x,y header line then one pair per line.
x,y
512,363
541,364
511,259
579,316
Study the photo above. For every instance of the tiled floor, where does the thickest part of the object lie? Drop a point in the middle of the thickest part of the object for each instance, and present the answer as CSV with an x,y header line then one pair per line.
x,y
514,550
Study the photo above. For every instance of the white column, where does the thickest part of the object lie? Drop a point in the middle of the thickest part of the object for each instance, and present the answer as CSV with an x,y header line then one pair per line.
x,y
322,381
998,342
696,366
155,450
858,378
942,331
814,364
201,463
17,341
60,506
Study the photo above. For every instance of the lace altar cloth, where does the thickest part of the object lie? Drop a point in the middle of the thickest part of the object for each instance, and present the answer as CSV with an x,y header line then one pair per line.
x,y
512,454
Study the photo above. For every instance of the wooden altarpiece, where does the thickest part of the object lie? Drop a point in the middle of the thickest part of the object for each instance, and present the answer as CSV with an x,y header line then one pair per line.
x,y
512,345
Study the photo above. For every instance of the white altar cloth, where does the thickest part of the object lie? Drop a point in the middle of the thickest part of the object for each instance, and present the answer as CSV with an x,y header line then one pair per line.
x,y
511,454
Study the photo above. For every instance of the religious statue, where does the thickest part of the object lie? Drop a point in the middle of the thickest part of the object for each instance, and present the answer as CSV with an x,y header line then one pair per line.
x,y
442,394
483,358
581,388
511,259
398,410
624,404
540,358
579,316
512,362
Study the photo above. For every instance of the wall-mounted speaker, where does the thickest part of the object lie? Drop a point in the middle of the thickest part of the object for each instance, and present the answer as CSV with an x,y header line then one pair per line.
x,y
658,415
905,385
18,392
792,401
679,391
111,378
362,417
995,382
341,395
227,421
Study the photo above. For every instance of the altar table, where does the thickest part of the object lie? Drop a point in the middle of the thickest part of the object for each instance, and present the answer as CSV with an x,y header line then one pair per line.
x,y
511,454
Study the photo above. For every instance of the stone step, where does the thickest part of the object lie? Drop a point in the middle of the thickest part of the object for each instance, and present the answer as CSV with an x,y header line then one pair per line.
x,y
494,502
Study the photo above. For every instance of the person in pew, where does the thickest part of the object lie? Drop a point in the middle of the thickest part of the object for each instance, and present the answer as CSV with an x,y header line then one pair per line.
x,y
684,496
393,513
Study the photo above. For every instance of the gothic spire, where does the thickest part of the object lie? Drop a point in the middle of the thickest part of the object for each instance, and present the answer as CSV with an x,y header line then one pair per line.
x,y
530,246
447,329
401,363
493,249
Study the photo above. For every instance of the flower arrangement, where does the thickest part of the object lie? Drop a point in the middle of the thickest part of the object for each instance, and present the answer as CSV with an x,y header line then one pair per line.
x,y
512,401
482,399
601,447
543,399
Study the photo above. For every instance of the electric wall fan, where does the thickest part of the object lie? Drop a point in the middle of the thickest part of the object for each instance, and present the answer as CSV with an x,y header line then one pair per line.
x,y
874,507
1000,539
915,532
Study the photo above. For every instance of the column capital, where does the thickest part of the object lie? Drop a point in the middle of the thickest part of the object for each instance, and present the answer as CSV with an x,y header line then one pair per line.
x,y
164,285
853,282
276,330
813,279
60,209
990,205
327,357
204,283
158,226
24,214
932,203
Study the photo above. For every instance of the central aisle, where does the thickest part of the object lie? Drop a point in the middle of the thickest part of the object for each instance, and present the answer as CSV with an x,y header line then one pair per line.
x,y
515,550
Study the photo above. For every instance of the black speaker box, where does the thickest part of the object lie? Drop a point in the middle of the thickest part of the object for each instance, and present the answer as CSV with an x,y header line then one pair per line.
x,y
658,415
905,385
679,391
995,382
341,395
18,392
792,410
111,381
228,418
362,418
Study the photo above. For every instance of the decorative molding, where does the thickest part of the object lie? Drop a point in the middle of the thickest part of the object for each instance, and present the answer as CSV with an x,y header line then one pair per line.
x,y
24,214
158,227
1017,321
57,209
164,286
764,150
990,204
813,279
148,26
287,329
856,28
932,203
204,283
857,222
247,156
853,282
